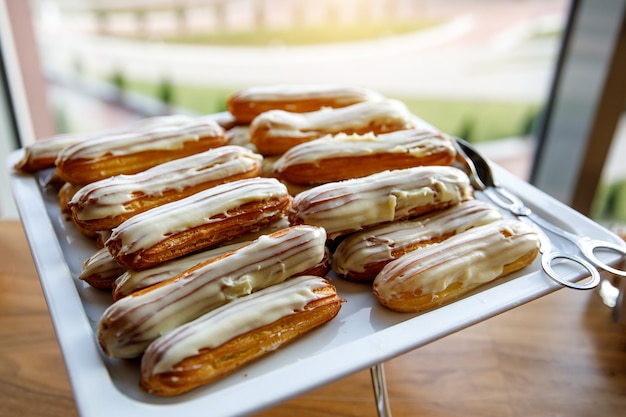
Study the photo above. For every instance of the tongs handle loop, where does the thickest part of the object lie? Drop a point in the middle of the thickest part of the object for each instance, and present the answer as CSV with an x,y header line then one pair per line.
x,y
482,178
509,201
594,276
589,247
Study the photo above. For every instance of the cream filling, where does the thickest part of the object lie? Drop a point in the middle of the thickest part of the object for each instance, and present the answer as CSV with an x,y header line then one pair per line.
x,y
382,197
150,227
110,197
134,321
417,143
474,257
132,280
361,249
150,137
227,322
348,118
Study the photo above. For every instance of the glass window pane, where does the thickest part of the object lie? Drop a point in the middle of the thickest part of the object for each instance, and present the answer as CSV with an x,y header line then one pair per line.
x,y
480,70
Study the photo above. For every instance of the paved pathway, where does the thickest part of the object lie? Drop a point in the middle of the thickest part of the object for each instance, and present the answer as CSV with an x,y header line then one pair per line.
x,y
482,52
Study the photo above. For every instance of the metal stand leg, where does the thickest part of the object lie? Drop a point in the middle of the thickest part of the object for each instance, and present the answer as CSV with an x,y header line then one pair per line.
x,y
619,308
380,390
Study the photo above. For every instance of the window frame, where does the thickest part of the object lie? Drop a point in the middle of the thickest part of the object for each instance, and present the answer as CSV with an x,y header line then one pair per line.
x,y
586,100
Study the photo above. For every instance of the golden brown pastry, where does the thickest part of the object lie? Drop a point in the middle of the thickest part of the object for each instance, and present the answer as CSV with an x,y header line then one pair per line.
x,y
248,103
104,204
340,157
443,272
65,194
100,270
130,324
236,334
361,255
276,131
128,153
43,153
348,206
197,222
101,238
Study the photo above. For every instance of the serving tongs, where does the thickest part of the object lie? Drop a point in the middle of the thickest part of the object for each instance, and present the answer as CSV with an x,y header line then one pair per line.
x,y
482,179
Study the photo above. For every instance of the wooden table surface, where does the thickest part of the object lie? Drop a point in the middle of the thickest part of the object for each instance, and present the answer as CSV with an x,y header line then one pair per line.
x,y
561,355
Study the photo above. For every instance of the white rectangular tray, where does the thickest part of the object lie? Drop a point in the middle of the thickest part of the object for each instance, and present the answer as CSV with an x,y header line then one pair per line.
x,y
362,335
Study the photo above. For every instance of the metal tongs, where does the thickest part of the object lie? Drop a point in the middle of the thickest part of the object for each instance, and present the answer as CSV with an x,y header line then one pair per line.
x,y
482,179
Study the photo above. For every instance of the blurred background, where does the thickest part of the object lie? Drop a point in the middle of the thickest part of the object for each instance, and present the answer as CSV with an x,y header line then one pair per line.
x,y
483,70
479,68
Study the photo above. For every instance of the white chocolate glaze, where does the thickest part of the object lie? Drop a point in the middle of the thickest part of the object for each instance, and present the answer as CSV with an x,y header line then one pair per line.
x,y
417,143
472,258
111,196
149,123
298,92
150,227
231,320
240,136
376,245
49,148
66,193
353,118
350,205
131,280
151,137
224,119
133,322
101,263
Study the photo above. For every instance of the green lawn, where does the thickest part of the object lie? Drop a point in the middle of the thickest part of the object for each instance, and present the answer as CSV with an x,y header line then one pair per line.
x,y
476,120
